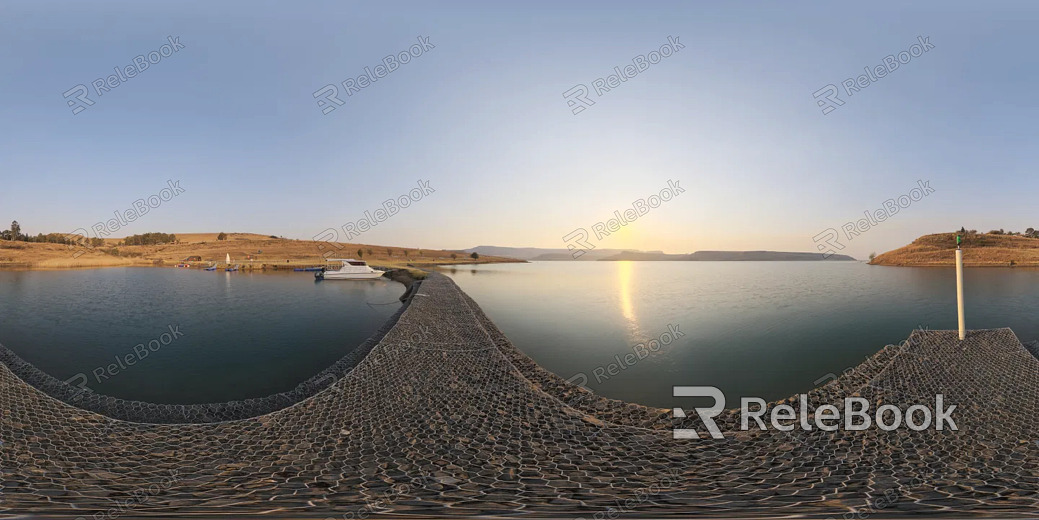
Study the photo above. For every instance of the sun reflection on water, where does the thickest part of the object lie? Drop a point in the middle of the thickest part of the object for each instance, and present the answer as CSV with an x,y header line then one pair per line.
x,y
625,273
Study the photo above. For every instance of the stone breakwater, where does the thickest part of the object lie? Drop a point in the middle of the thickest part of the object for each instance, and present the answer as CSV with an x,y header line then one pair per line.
x,y
442,415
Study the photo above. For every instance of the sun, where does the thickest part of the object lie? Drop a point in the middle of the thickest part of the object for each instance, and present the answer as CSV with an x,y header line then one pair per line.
x,y
624,238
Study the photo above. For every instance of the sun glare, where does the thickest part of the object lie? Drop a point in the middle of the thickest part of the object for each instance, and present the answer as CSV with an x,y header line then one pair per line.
x,y
625,272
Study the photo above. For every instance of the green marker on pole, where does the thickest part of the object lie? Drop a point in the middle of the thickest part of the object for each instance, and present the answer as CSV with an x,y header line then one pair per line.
x,y
958,237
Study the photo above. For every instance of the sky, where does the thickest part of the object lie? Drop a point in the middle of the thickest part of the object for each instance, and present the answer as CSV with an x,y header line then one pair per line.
x,y
230,116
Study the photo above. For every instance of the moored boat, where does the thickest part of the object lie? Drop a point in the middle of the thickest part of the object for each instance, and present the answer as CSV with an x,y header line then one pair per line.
x,y
350,270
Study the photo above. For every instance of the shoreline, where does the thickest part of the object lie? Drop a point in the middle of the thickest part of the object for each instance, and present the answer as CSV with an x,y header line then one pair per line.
x,y
952,265
251,252
268,268
250,266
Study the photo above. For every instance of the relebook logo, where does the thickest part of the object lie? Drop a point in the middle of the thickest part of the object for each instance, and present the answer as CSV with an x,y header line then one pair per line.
x,y
856,416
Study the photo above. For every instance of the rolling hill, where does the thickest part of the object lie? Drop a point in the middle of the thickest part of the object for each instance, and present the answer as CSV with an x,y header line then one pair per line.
x,y
979,250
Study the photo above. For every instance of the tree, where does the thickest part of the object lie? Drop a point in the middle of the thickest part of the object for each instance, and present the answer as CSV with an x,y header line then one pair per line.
x,y
872,256
360,254
405,253
222,236
370,252
1030,232
389,252
454,256
475,255
148,239
15,230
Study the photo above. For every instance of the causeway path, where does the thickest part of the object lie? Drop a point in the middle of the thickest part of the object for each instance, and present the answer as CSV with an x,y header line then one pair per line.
x,y
440,415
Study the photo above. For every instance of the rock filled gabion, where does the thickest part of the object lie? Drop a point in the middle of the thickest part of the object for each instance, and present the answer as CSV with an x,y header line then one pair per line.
x,y
442,415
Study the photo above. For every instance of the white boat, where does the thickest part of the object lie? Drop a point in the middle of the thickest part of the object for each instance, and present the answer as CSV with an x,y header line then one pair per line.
x,y
351,270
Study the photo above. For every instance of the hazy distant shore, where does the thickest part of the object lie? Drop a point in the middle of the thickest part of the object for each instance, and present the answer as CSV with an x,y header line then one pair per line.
x,y
537,254
730,256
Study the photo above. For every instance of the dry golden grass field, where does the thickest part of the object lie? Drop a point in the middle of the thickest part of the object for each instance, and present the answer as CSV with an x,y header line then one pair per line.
x,y
249,250
979,250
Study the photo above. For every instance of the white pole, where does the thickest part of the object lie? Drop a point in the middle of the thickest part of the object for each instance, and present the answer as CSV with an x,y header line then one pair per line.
x,y
959,291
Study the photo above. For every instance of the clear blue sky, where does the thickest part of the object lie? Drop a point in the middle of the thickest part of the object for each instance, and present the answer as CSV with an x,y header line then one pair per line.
x,y
482,117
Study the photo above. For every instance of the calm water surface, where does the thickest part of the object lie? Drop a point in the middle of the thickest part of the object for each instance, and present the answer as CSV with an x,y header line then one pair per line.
x,y
244,335
766,329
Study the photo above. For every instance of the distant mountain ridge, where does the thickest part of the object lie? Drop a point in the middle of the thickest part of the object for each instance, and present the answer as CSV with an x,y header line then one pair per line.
x,y
545,254
730,256
560,254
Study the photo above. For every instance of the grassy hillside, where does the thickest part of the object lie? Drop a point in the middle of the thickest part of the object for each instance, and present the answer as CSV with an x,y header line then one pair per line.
x,y
247,249
979,250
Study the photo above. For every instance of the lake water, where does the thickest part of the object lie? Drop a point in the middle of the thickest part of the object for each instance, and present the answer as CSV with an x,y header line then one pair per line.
x,y
239,335
765,329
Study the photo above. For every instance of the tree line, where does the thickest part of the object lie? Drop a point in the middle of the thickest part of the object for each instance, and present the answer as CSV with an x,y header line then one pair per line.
x,y
1030,232
15,234
150,239
146,239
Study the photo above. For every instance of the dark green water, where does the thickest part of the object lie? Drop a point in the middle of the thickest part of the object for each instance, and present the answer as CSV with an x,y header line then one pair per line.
x,y
240,335
765,329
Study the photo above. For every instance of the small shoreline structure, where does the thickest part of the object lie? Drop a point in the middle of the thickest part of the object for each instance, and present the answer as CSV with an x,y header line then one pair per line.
x,y
442,411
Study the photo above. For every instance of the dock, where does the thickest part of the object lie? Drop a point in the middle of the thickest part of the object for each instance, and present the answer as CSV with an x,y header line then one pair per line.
x,y
439,414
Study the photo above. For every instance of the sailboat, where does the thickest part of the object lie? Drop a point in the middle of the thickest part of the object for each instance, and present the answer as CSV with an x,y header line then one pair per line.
x,y
212,267
229,268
